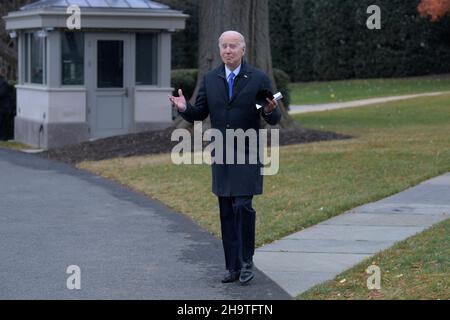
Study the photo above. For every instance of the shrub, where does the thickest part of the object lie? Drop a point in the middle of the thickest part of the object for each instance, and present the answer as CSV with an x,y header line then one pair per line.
x,y
184,79
282,80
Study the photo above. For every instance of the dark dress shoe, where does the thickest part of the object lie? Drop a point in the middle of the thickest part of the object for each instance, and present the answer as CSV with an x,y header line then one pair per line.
x,y
246,274
230,276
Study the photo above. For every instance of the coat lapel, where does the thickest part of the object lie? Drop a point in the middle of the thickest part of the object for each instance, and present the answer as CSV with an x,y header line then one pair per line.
x,y
242,80
222,82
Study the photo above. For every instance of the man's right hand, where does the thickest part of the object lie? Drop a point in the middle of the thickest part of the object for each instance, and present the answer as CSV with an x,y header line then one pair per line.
x,y
179,102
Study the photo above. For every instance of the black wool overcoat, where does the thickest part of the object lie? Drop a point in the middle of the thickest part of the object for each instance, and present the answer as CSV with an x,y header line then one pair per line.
x,y
239,112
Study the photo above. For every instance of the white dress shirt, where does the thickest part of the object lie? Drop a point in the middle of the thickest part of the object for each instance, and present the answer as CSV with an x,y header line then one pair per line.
x,y
235,71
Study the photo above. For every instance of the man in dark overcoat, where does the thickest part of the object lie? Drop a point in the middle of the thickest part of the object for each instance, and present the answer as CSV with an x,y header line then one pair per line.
x,y
229,95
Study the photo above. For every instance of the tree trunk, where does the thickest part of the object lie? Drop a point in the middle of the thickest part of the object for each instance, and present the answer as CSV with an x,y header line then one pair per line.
x,y
249,17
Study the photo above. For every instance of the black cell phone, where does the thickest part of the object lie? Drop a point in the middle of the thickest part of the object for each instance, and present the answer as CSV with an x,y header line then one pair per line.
x,y
263,95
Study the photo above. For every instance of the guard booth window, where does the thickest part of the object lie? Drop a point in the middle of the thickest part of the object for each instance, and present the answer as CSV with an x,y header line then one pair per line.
x,y
35,54
72,58
146,59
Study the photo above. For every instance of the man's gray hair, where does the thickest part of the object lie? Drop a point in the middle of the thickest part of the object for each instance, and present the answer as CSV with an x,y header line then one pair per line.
x,y
241,37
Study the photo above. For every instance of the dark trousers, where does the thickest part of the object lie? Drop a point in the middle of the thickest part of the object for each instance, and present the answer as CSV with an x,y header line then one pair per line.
x,y
237,218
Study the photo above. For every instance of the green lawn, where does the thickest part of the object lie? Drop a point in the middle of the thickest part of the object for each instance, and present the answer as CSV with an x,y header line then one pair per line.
x,y
417,268
348,90
397,145
13,145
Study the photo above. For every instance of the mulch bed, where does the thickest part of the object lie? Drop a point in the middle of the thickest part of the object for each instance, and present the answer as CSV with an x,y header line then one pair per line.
x,y
158,142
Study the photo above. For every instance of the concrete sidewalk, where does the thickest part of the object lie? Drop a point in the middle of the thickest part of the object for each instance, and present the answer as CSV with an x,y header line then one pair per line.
x,y
127,245
317,254
357,103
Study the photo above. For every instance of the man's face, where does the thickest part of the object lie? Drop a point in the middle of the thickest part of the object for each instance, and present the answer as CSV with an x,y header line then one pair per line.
x,y
231,50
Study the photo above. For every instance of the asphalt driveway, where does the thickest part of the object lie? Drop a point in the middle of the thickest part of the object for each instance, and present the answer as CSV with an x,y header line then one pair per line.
x,y
126,245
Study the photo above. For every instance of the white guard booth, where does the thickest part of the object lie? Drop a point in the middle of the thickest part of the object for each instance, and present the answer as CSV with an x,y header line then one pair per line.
x,y
110,77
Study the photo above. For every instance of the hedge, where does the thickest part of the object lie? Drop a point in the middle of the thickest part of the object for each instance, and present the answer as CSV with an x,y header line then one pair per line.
x,y
331,41
326,40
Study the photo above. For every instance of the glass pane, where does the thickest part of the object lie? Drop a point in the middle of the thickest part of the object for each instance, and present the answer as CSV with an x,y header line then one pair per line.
x,y
110,64
37,59
72,58
146,59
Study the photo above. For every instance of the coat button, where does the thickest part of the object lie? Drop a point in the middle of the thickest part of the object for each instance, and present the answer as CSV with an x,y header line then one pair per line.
x,y
228,125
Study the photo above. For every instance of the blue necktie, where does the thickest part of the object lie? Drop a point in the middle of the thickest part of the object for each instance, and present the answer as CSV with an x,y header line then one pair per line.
x,y
230,84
